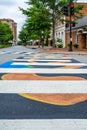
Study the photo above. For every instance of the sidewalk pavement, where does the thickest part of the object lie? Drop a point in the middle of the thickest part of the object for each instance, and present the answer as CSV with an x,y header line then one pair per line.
x,y
50,49
65,50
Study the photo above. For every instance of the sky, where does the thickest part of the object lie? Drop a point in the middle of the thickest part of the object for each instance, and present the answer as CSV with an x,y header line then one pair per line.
x,y
10,9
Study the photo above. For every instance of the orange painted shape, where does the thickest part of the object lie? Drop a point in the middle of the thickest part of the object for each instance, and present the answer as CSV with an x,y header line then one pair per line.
x,y
70,67
31,76
56,99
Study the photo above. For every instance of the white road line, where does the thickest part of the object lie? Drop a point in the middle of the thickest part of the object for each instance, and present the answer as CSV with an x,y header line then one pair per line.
x,y
6,52
26,56
51,64
43,71
20,60
44,124
20,86
28,53
42,60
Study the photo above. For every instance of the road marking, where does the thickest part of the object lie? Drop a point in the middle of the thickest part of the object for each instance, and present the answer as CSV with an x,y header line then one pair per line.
x,y
51,64
39,86
5,52
42,60
42,71
44,124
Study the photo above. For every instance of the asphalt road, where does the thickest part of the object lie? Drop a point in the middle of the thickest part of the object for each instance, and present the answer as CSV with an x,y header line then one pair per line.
x,y
22,64
13,106
7,54
81,58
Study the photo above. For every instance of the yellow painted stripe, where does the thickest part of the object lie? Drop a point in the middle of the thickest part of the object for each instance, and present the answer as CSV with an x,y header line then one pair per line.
x,y
3,77
40,100
50,57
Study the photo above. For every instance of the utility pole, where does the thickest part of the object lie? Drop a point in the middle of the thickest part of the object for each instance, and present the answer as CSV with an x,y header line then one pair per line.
x,y
69,11
71,23
70,47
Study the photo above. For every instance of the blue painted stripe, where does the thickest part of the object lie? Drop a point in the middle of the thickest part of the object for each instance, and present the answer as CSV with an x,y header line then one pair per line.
x,y
8,65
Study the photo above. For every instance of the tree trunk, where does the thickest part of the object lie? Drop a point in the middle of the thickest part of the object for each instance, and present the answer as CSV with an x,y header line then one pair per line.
x,y
53,28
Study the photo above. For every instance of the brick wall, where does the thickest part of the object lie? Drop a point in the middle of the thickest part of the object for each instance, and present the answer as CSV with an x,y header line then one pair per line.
x,y
84,10
68,37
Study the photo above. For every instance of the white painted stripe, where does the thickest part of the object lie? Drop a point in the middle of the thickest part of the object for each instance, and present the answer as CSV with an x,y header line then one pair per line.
x,y
31,86
20,60
42,60
6,52
44,70
29,52
44,124
17,52
51,64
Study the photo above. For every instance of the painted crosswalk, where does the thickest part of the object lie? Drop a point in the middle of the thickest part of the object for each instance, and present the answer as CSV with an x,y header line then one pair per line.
x,y
15,52
43,86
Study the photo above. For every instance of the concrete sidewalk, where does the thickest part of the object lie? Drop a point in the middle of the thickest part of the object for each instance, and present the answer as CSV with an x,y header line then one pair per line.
x,y
50,49
65,51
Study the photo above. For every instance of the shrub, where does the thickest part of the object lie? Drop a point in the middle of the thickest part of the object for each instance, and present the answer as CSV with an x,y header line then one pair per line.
x,y
19,43
59,40
4,45
68,44
60,45
75,45
24,43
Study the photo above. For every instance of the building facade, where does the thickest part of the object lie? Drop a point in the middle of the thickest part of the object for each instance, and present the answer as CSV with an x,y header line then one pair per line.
x,y
13,26
79,33
62,33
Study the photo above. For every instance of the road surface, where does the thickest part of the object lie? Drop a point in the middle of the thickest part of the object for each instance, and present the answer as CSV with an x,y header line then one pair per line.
x,y
42,91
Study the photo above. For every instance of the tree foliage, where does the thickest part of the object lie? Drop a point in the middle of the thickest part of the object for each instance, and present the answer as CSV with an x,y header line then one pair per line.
x,y
38,19
5,33
42,14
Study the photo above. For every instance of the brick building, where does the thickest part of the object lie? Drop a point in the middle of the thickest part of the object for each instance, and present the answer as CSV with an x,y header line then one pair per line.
x,y
13,26
79,32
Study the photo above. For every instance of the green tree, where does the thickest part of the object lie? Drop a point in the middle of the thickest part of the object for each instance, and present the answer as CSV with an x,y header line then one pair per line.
x,y
23,35
38,19
43,11
5,33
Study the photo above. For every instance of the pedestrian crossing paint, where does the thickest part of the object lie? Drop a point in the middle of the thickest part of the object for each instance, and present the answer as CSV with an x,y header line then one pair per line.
x,y
9,65
14,86
16,52
51,64
26,60
46,96
43,124
43,71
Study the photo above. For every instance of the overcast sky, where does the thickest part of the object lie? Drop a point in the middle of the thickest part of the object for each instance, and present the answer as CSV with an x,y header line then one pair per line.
x,y
9,9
